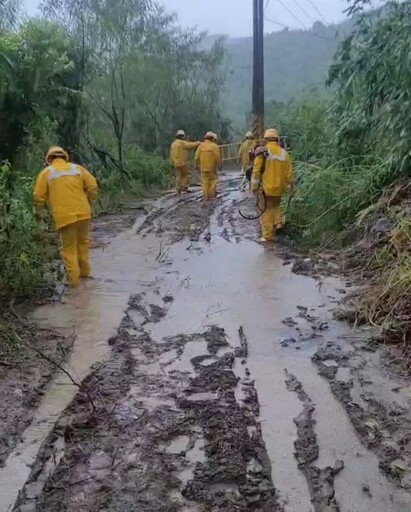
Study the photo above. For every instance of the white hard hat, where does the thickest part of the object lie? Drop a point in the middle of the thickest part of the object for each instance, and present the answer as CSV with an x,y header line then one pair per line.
x,y
271,133
180,133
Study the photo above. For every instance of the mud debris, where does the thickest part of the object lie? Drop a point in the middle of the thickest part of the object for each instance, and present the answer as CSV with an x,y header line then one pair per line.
x,y
187,218
177,423
289,322
119,455
383,428
216,339
26,373
320,481
242,350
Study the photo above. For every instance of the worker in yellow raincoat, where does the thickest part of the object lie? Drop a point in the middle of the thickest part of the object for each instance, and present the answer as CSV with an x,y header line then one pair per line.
x,y
179,157
244,155
208,161
68,190
273,172
244,150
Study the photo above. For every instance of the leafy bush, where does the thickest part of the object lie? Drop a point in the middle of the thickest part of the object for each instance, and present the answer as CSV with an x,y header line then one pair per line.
x,y
304,121
24,260
372,75
144,171
351,145
329,197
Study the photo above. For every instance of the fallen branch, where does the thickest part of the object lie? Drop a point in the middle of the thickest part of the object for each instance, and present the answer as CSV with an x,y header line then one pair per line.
x,y
59,366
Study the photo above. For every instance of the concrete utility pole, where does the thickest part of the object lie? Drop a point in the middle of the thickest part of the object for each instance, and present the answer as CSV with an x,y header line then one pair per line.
x,y
258,69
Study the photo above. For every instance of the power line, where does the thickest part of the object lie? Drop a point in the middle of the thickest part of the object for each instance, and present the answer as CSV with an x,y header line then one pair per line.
x,y
276,23
310,32
302,9
292,14
318,11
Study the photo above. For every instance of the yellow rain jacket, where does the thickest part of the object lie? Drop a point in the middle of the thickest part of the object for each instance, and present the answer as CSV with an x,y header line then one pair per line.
x,y
243,152
178,152
208,157
68,189
278,175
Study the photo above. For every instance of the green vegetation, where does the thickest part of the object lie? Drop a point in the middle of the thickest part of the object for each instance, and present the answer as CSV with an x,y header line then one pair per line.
x,y
350,145
353,161
111,88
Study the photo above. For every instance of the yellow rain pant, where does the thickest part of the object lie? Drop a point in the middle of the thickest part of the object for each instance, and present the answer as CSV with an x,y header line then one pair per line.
x,y
182,178
209,185
272,218
74,250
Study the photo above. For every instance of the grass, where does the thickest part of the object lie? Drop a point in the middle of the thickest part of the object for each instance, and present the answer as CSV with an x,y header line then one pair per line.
x,y
144,172
328,199
337,207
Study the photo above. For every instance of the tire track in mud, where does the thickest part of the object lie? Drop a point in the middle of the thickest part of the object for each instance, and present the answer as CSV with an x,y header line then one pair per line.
x,y
383,424
320,480
176,426
168,432
186,217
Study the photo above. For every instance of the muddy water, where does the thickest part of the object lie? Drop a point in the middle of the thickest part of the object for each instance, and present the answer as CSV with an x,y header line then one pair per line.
x,y
92,313
233,285
229,285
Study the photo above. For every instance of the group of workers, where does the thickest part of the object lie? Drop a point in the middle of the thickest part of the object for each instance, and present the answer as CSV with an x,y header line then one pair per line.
x,y
69,189
271,171
207,160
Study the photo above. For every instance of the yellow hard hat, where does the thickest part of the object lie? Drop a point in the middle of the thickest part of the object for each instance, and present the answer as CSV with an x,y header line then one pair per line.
x,y
180,133
249,135
57,151
271,134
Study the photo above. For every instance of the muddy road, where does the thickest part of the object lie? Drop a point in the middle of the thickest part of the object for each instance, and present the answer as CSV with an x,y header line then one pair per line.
x,y
210,376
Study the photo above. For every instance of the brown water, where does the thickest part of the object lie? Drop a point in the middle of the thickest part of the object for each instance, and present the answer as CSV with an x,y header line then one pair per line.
x,y
230,285
93,312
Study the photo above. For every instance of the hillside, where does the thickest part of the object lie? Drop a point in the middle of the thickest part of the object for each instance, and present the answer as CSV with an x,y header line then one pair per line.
x,y
294,60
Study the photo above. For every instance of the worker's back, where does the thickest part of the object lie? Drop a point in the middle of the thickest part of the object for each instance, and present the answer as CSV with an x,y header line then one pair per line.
x,y
178,154
278,172
245,148
66,186
208,157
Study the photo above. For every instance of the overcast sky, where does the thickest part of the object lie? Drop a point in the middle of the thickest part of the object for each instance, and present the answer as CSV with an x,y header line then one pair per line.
x,y
233,17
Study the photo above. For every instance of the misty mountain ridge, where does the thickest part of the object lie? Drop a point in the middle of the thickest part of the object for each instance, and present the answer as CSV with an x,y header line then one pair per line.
x,y
295,60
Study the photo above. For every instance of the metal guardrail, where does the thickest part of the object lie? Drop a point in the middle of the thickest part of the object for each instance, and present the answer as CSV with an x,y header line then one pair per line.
x,y
229,152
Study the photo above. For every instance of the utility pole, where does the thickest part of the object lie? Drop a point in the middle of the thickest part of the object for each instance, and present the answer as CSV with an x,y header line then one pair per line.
x,y
258,69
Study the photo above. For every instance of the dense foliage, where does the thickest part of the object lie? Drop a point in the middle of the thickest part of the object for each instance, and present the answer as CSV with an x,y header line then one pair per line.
x,y
109,81
353,158
372,74
353,141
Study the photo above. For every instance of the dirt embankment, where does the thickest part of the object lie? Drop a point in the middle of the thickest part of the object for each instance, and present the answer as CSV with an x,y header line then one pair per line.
x,y
378,261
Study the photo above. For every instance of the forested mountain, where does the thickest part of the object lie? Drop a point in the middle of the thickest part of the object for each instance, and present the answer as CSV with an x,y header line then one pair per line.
x,y
294,60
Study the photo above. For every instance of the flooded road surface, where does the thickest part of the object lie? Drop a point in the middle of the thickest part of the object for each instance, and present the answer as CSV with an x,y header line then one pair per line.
x,y
227,385
92,314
